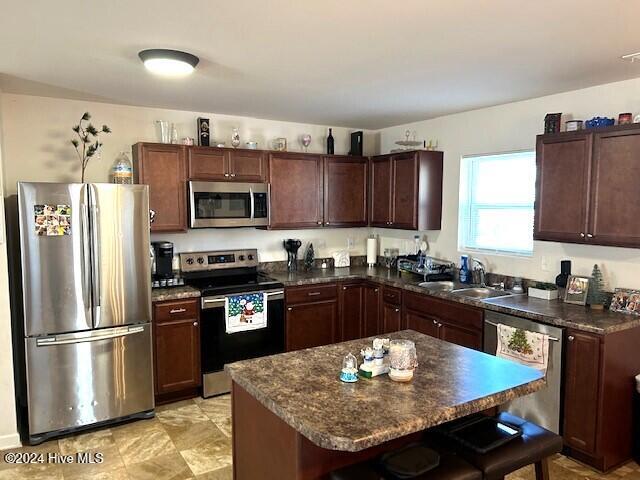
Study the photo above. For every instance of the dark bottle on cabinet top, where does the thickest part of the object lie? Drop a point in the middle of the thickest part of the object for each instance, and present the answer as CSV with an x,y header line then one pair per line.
x,y
565,271
330,144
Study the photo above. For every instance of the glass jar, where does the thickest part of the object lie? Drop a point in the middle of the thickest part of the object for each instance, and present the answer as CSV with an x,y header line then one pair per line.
x,y
402,360
122,170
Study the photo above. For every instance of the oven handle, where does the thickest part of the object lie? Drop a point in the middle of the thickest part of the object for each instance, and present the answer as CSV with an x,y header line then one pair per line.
x,y
217,302
553,339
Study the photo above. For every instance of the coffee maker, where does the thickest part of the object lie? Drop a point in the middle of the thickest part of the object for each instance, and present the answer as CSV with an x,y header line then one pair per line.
x,y
162,260
292,246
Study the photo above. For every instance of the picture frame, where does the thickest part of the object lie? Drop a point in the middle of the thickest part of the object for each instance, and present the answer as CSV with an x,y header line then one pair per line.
x,y
626,300
577,290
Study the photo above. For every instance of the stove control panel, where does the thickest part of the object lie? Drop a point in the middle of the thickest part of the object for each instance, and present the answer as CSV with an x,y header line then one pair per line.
x,y
216,260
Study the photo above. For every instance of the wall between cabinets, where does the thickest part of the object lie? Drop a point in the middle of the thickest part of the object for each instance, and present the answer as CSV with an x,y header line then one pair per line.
x,y
509,127
37,148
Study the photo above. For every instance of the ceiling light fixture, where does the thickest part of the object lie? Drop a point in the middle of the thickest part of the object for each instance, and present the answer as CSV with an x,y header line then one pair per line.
x,y
632,57
171,63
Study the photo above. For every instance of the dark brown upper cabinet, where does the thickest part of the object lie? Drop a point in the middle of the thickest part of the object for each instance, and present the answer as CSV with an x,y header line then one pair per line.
x,y
296,190
406,190
585,188
345,191
314,191
163,168
225,164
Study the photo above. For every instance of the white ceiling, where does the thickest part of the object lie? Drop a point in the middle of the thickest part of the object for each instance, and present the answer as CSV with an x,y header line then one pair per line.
x,y
354,63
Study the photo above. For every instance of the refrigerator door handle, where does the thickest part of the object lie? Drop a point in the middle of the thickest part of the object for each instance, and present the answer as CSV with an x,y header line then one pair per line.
x,y
85,268
95,259
91,336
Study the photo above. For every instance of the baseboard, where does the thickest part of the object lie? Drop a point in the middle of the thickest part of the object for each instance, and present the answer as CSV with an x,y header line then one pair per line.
x,y
10,441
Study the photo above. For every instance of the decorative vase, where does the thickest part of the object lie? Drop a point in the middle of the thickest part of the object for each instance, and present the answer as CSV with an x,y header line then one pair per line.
x,y
235,138
306,141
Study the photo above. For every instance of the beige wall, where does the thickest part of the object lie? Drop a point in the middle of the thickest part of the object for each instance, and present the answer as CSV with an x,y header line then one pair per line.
x,y
8,430
511,127
38,148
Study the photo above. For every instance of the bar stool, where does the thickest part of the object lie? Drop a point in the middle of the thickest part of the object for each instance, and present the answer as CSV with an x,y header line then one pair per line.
x,y
535,446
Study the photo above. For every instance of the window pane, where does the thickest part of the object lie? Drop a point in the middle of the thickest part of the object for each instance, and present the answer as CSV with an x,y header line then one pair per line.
x,y
497,194
508,230
504,179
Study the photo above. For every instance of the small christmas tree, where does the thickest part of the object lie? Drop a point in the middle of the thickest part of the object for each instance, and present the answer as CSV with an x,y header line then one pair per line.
x,y
597,296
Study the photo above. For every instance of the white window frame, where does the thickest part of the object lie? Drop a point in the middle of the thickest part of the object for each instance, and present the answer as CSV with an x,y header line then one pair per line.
x,y
466,206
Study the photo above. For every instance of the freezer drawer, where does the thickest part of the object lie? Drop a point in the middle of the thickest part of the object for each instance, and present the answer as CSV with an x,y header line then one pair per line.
x,y
88,377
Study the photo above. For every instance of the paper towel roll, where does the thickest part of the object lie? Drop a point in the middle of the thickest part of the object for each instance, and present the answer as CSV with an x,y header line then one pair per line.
x,y
372,251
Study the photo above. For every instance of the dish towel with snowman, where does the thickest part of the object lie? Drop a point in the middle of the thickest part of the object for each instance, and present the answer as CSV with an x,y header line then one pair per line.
x,y
246,311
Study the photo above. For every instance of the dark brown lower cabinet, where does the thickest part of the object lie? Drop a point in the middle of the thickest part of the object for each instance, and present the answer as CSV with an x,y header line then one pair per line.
x,y
176,333
311,316
371,324
598,396
352,310
443,319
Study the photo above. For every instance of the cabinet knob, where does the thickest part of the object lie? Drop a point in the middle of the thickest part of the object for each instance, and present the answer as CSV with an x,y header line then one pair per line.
x,y
397,310
195,324
582,234
439,325
233,174
319,223
152,215
344,288
226,174
571,338
589,235
434,322
327,223
375,290
289,309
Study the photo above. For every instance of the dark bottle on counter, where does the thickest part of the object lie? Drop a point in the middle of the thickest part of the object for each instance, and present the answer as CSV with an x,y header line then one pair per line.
x,y
330,147
565,271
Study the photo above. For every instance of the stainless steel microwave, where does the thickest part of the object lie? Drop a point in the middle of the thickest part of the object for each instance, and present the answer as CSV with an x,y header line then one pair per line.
x,y
228,204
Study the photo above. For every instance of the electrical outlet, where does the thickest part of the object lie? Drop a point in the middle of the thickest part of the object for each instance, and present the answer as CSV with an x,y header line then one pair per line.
x,y
351,242
544,264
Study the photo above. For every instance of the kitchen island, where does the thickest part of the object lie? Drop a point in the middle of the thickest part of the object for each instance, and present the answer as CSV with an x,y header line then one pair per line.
x,y
294,419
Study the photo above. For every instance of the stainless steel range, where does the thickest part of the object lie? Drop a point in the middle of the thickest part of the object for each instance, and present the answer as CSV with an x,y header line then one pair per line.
x,y
219,275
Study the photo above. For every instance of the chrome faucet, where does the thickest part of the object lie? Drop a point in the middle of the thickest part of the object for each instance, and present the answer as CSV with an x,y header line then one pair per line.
x,y
478,266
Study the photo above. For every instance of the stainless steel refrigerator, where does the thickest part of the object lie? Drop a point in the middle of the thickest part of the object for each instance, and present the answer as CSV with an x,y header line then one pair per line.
x,y
87,304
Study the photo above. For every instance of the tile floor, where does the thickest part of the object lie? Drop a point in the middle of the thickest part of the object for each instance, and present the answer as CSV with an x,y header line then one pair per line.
x,y
192,440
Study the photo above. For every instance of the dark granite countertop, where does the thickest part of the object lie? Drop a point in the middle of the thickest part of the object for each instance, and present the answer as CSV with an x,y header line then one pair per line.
x,y
303,389
554,312
173,293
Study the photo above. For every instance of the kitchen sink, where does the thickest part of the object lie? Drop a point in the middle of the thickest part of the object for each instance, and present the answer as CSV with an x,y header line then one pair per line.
x,y
481,292
437,286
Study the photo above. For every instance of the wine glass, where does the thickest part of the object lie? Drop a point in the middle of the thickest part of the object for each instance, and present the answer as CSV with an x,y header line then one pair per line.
x,y
306,141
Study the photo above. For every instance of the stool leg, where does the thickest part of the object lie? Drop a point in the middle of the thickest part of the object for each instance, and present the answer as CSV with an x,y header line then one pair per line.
x,y
542,469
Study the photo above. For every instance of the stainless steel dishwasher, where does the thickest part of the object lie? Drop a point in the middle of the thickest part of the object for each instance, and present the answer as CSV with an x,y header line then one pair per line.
x,y
542,407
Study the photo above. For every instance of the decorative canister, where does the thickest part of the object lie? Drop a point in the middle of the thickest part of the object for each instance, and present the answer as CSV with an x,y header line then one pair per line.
x,y
403,360
349,372
235,138
625,118
573,125
252,145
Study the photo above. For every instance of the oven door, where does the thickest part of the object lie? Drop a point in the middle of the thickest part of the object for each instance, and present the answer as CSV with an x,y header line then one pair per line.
x,y
228,204
220,348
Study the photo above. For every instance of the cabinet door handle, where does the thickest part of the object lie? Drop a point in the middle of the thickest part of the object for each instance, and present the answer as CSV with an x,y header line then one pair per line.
x,y
152,215
327,223
439,325
313,294
319,223
434,322
226,174
397,310
195,324
582,234
289,309
589,235
178,310
233,175
571,338
375,290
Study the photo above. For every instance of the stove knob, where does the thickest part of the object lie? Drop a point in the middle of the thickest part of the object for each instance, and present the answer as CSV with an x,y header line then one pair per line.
x,y
189,261
250,257
200,260
241,258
